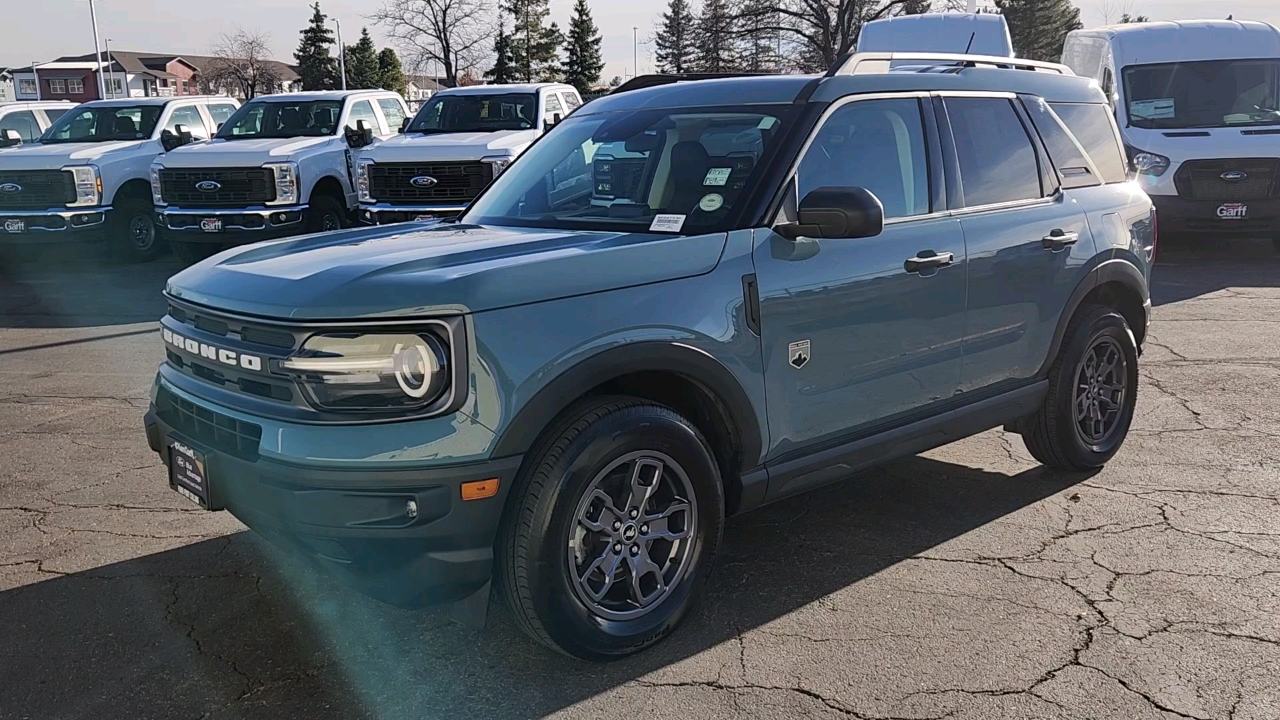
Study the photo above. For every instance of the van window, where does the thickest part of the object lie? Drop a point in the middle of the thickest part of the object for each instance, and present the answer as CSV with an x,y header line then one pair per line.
x,y
1067,155
873,144
997,159
1092,126
1203,94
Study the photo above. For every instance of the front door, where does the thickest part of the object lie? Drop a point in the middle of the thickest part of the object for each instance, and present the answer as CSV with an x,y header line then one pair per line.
x,y
857,333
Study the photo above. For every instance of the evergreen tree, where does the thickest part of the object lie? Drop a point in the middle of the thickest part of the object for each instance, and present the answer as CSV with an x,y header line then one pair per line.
x,y
1039,27
390,72
759,45
676,50
583,62
503,70
362,64
534,45
1126,18
716,38
317,68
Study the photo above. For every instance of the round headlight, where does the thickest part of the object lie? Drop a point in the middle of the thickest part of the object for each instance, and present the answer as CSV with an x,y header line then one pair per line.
x,y
371,372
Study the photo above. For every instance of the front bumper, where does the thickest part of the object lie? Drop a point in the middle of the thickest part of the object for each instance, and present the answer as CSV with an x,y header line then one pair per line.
x,y
386,214
352,522
1202,217
238,225
53,225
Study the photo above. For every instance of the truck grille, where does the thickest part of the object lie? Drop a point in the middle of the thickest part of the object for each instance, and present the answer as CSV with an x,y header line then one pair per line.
x,y
1203,179
458,182
36,189
237,187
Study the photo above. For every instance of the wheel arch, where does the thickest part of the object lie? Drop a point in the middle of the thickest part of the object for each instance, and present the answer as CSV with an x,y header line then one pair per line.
x,y
133,189
329,186
1116,283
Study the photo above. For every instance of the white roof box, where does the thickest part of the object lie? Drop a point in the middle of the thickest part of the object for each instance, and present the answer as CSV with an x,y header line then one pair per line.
x,y
969,33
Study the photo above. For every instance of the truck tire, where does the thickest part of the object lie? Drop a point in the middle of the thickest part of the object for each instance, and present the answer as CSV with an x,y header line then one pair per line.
x,y
325,215
190,253
1093,389
132,232
611,529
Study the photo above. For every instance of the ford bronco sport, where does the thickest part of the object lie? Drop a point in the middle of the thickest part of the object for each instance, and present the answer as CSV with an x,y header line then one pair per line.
x,y
766,284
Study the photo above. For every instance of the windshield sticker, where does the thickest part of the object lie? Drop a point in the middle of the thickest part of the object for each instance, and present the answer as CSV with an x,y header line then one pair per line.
x,y
667,223
711,203
718,177
1161,109
484,109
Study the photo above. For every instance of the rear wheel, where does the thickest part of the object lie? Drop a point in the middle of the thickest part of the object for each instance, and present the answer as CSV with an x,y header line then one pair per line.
x,y
325,215
133,235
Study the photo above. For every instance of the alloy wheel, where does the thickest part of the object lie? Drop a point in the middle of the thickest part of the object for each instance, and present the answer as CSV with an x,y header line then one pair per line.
x,y
1100,390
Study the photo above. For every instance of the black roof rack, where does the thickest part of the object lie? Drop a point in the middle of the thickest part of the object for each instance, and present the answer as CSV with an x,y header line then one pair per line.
x,y
641,82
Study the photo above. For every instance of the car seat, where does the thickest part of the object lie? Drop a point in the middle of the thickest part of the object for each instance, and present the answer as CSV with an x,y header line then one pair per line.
x,y
689,165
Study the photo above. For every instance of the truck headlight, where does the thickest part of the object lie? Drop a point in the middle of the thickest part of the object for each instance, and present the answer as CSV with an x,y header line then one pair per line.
x,y
499,163
287,183
372,372
1148,163
157,191
88,185
362,180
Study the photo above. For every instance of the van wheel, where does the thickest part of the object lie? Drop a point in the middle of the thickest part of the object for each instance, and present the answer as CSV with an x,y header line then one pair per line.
x,y
325,215
612,529
133,235
190,253
1093,390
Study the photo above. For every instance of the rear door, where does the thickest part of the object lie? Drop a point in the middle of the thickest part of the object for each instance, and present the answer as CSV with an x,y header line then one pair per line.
x,y
1028,242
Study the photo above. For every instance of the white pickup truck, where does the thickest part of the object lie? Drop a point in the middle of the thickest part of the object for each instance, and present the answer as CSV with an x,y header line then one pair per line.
x,y
282,165
458,142
86,177
25,122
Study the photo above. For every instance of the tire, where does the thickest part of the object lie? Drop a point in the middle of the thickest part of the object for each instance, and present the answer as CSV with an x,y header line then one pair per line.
x,y
1097,337
133,234
325,215
605,444
190,253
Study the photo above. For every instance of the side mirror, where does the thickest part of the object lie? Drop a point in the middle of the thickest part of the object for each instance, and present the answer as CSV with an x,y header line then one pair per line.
x,y
169,141
184,135
554,121
836,212
359,136
404,125
10,138
218,128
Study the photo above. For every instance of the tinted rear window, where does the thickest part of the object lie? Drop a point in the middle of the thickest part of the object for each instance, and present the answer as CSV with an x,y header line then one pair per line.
x,y
1067,156
997,160
1091,124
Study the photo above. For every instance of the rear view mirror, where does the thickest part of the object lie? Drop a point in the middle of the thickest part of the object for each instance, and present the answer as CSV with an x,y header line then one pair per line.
x,y
643,143
837,212
10,138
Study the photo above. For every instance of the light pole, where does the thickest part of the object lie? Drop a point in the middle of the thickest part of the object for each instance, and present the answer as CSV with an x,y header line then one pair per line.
x,y
102,84
111,69
635,51
342,54
35,75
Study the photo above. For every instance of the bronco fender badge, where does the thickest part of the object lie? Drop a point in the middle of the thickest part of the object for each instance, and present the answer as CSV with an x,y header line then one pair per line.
x,y
798,354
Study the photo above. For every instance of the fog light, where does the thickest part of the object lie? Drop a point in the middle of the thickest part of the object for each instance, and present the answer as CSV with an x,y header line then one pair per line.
x,y
411,509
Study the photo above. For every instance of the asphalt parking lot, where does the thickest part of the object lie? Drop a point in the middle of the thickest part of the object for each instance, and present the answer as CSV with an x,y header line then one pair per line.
x,y
965,583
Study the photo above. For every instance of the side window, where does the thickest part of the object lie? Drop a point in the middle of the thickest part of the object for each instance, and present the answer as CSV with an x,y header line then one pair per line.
x,y
24,121
53,115
554,107
572,101
873,144
1091,124
393,111
997,160
189,116
221,112
1067,155
362,110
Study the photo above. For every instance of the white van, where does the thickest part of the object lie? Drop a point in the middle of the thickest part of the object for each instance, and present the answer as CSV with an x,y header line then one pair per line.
x,y
1198,104
966,33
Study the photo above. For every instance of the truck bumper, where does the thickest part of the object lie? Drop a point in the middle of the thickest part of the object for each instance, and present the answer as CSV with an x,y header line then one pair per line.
x,y
1179,215
383,214
54,225
401,535
231,226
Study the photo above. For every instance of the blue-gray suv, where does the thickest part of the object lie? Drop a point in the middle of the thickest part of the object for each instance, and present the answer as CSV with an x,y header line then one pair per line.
x,y
684,302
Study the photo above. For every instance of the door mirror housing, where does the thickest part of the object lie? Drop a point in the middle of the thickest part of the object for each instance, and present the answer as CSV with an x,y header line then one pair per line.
x,y
174,140
10,138
404,124
359,136
554,120
836,212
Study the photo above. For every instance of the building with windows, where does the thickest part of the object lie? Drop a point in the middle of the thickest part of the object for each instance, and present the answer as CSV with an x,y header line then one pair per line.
x,y
128,74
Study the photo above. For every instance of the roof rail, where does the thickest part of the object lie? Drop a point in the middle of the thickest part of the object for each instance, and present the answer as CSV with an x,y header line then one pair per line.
x,y
647,81
875,63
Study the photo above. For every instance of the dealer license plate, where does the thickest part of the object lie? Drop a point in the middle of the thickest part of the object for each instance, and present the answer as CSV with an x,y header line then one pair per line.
x,y
188,474
211,225
424,218
15,226
1233,211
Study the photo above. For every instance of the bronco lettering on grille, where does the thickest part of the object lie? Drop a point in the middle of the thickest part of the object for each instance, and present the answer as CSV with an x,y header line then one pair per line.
x,y
217,354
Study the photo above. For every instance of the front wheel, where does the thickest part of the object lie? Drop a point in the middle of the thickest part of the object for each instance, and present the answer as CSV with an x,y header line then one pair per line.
x,y
133,233
325,215
1093,390
612,529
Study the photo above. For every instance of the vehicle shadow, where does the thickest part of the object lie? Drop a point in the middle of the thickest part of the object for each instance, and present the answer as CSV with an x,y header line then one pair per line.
x,y
229,628
1190,270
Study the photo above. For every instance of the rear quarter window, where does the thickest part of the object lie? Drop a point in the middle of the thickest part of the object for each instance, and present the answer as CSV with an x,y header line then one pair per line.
x,y
1092,126
1067,155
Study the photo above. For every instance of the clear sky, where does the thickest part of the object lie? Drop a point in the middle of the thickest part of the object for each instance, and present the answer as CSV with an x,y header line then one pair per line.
x,y
43,29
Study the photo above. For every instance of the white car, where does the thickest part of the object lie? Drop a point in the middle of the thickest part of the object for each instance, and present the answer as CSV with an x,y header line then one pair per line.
x,y
86,177
25,122
282,165
458,142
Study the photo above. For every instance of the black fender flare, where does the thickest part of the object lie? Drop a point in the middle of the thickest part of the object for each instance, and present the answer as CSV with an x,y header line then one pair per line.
x,y
1116,270
648,356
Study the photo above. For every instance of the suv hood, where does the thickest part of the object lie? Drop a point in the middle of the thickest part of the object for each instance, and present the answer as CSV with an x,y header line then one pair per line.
x,y
240,153
451,146
407,271
50,157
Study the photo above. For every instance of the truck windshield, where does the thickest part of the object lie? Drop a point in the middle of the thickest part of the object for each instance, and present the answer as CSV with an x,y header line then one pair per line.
x,y
1204,94
287,119
104,124
476,113
680,171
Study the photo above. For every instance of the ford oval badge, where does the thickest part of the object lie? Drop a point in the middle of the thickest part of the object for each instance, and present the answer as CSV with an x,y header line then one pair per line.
x,y
208,186
423,181
1234,176
10,188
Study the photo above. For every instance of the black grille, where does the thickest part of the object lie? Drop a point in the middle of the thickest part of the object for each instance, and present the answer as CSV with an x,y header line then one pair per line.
x,y
238,187
454,182
36,189
1203,179
209,428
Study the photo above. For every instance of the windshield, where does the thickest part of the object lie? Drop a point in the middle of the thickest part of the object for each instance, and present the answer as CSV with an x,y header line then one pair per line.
x,y
104,124
1204,94
679,171
257,120
477,113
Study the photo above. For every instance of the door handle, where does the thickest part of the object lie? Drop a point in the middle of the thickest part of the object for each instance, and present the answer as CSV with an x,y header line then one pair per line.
x,y
928,260
1059,239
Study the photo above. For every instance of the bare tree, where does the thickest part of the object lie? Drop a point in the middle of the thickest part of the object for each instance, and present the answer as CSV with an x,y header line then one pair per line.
x,y
452,35
242,65
1119,12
